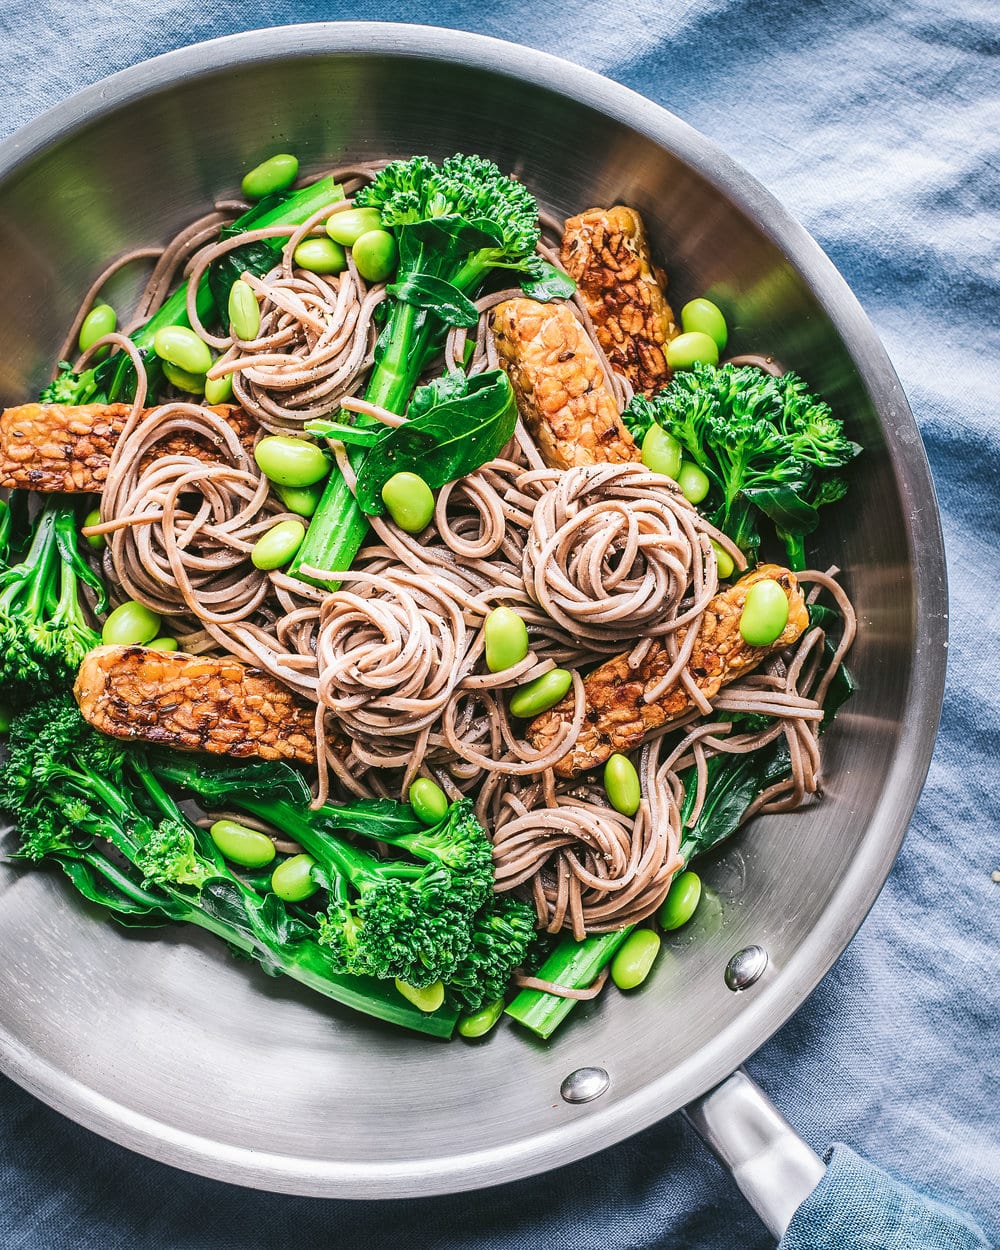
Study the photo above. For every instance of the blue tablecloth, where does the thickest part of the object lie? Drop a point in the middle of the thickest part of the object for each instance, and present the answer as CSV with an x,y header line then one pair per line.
x,y
877,122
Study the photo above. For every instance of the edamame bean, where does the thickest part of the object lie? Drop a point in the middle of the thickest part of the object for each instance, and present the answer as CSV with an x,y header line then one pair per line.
x,y
681,901
278,545
375,255
693,481
292,879
162,644
131,624
478,1023
765,613
101,320
277,173
410,501
635,957
320,256
723,560
193,383
180,346
248,847
219,390
704,317
348,226
539,695
301,499
690,349
621,783
97,541
428,800
661,452
291,461
244,311
428,999
6,716
506,639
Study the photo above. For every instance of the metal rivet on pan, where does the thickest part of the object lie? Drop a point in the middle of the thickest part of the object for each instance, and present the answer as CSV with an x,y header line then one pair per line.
x,y
584,1084
745,967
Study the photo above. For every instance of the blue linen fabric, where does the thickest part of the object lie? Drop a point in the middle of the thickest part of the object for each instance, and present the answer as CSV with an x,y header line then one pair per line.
x,y
877,123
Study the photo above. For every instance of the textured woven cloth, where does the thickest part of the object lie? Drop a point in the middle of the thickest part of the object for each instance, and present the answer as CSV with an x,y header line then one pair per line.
x,y
877,123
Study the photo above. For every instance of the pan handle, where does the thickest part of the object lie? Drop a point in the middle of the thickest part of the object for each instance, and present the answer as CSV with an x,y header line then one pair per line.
x,y
774,1168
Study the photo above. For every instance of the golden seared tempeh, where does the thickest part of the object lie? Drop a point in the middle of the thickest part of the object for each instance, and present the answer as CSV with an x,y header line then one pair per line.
x,y
618,717
68,447
606,251
194,703
559,384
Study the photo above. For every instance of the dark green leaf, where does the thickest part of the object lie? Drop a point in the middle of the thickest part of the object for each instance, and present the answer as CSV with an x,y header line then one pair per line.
x,y
437,296
786,505
214,782
446,237
544,282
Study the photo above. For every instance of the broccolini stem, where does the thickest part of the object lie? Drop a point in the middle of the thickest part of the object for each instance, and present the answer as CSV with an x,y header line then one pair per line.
x,y
575,965
37,567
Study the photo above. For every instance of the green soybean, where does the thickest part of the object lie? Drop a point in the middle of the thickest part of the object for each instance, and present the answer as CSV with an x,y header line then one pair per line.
x,y
320,256
428,800
244,311
180,346
6,716
291,461
219,390
478,1023
703,317
275,548
131,624
635,957
375,255
621,784
765,613
539,695
690,349
303,500
723,560
661,452
244,846
681,901
193,383
693,481
97,541
101,320
506,639
162,644
292,879
277,173
427,999
409,500
348,226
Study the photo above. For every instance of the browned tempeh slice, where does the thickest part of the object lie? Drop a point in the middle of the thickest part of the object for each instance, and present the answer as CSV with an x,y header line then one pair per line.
x,y
67,447
606,251
560,388
194,703
618,717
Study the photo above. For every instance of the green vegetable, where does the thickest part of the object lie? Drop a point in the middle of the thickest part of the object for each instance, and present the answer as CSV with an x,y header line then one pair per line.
x,y
424,998
767,446
375,254
320,256
661,452
347,226
409,501
219,390
244,311
704,317
691,349
97,541
694,483
290,461
502,936
681,902
277,547
162,644
292,880
621,783
539,695
6,717
428,800
300,499
242,845
479,1023
277,173
574,965
180,346
131,624
102,319
506,639
634,959
765,613
723,560
192,383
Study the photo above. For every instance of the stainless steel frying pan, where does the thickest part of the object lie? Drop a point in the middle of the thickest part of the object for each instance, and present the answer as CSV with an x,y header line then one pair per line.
x,y
165,1044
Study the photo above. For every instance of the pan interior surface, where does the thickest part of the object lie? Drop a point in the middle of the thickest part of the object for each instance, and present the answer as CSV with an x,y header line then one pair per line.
x,y
162,1041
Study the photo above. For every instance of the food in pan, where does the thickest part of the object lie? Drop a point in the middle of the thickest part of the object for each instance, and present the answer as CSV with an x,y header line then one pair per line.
x,y
429,596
